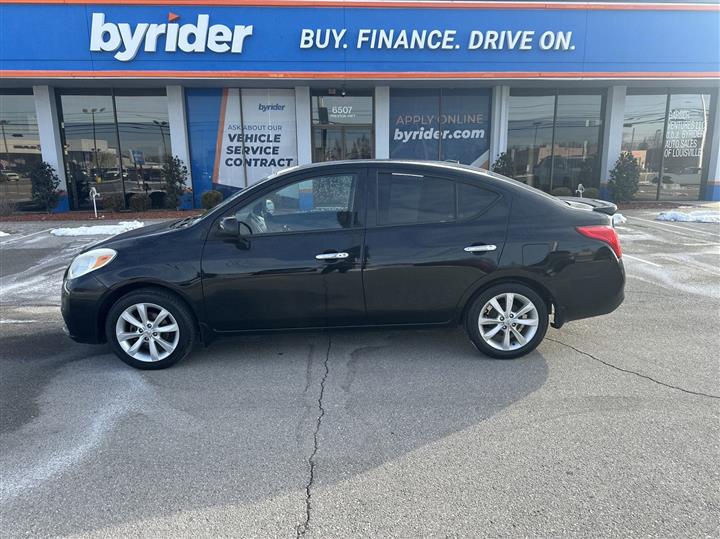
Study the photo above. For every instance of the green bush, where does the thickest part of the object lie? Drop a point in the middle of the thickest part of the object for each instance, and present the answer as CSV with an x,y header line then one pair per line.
x,y
504,165
44,186
113,201
561,192
140,202
174,175
210,199
624,178
591,192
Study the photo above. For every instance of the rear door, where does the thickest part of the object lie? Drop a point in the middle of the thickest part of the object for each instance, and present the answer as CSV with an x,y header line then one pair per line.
x,y
429,239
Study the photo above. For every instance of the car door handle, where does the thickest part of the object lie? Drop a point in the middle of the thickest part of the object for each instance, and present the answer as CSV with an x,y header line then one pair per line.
x,y
480,248
331,256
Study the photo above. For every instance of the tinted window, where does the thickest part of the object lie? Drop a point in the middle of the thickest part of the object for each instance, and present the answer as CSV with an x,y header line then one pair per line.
x,y
320,203
473,200
407,199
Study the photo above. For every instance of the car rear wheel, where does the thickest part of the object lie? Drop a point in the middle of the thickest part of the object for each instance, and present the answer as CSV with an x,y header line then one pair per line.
x,y
507,321
150,329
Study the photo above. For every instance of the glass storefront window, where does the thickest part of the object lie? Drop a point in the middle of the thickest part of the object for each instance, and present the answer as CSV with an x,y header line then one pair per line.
x,y
667,133
643,128
445,125
19,146
554,138
116,143
687,133
530,129
144,141
342,126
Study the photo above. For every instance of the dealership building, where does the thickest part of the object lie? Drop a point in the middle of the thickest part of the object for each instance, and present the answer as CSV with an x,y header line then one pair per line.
x,y
237,89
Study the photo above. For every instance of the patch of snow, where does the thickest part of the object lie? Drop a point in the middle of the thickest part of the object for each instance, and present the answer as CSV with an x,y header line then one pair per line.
x,y
619,219
98,230
3,234
690,217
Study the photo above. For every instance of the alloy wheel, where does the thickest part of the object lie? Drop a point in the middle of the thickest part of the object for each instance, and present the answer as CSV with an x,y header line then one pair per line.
x,y
508,321
147,332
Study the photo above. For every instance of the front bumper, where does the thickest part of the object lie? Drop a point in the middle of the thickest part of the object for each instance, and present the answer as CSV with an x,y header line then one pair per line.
x,y
80,305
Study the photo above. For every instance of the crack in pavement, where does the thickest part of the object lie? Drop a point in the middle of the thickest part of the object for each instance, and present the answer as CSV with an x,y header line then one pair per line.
x,y
640,375
302,528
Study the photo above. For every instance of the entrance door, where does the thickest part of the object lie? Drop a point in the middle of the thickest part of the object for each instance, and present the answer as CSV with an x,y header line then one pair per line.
x,y
342,126
299,263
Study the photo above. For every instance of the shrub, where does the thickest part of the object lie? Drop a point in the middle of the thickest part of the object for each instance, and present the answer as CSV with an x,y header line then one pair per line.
x,y
7,207
113,201
504,165
140,202
561,192
174,175
624,178
591,192
44,186
210,199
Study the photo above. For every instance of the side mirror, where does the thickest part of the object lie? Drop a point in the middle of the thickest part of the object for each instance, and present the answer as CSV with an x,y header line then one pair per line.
x,y
229,227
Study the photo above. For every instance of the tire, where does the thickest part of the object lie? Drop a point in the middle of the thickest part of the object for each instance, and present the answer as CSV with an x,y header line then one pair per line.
x,y
494,343
167,339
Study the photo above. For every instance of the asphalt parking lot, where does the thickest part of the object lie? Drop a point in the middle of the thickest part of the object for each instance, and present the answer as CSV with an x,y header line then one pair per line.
x,y
610,428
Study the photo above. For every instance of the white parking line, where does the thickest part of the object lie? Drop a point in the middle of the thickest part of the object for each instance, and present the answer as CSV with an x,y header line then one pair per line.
x,y
13,240
625,255
664,224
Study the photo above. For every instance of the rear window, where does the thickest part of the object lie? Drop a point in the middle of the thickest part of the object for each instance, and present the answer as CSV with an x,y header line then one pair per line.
x,y
413,199
473,200
408,199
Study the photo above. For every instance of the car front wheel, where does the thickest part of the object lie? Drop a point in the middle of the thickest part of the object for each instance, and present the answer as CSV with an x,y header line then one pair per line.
x,y
507,321
150,329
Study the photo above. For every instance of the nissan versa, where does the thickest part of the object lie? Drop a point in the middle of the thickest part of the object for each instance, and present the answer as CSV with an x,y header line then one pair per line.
x,y
347,244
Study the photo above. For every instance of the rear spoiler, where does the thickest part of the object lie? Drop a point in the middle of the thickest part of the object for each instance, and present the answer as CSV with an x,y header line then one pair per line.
x,y
594,204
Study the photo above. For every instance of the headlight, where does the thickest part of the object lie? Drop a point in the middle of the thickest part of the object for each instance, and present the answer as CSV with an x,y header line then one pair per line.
x,y
90,261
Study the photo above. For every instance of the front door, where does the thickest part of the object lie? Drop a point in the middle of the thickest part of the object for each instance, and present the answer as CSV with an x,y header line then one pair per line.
x,y
298,263
432,239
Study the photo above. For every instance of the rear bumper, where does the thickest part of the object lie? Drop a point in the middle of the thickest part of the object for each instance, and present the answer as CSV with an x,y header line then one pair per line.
x,y
598,290
80,300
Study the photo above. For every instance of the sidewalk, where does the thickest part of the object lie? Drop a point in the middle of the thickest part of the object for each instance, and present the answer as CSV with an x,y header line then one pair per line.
x,y
102,215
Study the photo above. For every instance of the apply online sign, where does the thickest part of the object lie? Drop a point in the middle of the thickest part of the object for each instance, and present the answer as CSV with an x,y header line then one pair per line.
x,y
342,40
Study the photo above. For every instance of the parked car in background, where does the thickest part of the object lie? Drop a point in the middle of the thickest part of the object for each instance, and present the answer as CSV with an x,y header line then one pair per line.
x,y
350,244
9,176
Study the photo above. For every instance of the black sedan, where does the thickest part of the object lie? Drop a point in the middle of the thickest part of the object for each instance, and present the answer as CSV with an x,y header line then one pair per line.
x,y
350,244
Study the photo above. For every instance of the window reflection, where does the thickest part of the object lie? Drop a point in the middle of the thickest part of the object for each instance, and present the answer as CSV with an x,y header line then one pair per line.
x,y
117,159
687,131
643,127
145,142
19,147
554,139
91,147
682,121
530,126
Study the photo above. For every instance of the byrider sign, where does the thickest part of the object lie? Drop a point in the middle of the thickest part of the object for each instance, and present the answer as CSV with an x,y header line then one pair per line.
x,y
190,37
113,38
200,36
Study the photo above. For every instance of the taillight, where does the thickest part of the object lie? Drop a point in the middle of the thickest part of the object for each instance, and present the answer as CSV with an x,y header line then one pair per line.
x,y
602,233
